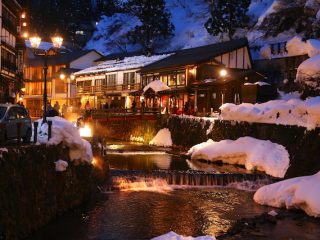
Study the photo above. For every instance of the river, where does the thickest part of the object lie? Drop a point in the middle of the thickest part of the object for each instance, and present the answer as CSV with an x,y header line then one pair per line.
x,y
144,205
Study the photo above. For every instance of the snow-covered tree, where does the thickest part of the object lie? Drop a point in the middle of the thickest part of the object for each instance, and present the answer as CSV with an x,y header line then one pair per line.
x,y
299,16
227,16
155,23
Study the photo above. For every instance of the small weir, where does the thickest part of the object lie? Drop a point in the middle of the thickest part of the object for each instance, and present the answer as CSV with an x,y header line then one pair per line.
x,y
123,179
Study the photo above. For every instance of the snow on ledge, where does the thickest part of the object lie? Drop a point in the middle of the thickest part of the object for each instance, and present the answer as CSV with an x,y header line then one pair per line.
x,y
173,236
61,165
291,112
162,139
299,193
66,133
254,154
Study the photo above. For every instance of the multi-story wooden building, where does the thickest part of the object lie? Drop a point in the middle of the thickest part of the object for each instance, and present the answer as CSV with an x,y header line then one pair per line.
x,y
60,81
202,78
111,82
12,50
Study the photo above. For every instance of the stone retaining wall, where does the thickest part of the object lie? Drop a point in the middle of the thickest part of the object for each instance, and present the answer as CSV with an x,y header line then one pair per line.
x,y
302,145
32,192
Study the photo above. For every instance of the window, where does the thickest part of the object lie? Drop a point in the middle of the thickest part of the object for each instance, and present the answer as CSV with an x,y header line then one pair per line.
x,y
181,79
164,79
101,82
111,79
172,80
60,86
129,78
80,32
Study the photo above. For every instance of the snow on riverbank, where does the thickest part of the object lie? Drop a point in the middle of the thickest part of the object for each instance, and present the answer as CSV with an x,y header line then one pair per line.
x,y
162,139
292,112
173,236
300,193
66,133
254,154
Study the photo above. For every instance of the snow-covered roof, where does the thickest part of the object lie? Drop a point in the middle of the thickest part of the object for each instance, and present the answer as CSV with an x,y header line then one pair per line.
x,y
124,64
156,86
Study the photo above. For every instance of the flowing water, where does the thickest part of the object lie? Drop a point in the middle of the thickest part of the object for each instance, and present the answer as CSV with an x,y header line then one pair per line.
x,y
153,193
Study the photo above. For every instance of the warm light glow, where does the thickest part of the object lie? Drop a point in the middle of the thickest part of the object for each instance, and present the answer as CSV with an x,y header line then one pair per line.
x,y
62,76
23,15
24,24
35,41
97,163
223,73
25,35
192,71
73,77
23,89
85,132
57,41
20,98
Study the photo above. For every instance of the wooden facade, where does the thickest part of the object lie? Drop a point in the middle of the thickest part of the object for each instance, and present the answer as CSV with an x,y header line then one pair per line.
x,y
195,79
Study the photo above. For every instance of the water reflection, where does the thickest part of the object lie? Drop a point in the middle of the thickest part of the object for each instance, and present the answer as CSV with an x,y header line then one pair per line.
x,y
143,215
146,162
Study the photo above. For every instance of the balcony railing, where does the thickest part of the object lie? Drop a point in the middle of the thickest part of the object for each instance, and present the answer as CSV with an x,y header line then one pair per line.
x,y
103,89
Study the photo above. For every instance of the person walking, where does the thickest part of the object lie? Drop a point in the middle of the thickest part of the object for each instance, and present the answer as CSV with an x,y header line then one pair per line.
x,y
56,106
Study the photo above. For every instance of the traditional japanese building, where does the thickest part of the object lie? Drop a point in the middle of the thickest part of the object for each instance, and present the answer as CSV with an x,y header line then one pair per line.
x,y
60,81
112,82
201,79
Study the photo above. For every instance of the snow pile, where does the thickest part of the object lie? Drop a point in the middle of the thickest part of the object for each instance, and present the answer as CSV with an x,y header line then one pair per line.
x,y
265,52
61,165
292,112
254,154
162,139
296,46
308,69
156,86
290,95
260,84
173,236
66,133
135,62
301,193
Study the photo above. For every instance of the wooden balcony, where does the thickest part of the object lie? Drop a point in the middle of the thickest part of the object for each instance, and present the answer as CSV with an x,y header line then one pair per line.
x,y
106,89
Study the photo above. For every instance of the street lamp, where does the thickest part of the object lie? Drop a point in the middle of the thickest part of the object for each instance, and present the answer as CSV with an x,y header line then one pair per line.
x,y
35,42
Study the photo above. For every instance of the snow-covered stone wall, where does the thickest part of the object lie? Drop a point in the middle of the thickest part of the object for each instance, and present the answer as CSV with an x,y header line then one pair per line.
x,y
302,145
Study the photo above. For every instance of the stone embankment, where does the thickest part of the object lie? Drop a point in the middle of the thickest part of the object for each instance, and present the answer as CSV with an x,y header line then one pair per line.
x,y
303,145
33,192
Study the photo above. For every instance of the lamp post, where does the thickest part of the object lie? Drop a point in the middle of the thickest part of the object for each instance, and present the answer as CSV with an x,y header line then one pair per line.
x,y
35,44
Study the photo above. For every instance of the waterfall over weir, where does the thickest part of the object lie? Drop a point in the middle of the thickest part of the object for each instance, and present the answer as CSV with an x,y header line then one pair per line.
x,y
163,181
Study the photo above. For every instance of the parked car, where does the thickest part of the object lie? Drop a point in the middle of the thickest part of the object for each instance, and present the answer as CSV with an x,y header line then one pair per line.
x,y
11,115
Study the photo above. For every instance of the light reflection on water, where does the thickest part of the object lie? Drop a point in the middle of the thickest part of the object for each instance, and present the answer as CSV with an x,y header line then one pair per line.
x,y
145,210
142,215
